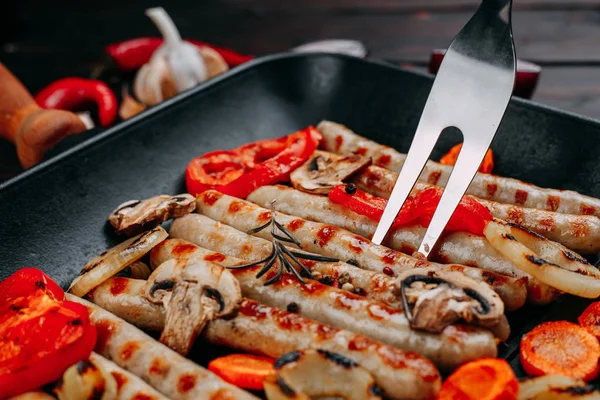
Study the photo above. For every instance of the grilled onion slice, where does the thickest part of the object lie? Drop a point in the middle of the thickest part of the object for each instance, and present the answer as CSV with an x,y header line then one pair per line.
x,y
543,259
109,263
556,387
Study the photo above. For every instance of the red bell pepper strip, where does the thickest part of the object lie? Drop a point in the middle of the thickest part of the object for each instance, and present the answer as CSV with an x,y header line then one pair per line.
x,y
132,54
72,93
41,334
240,171
469,216
243,370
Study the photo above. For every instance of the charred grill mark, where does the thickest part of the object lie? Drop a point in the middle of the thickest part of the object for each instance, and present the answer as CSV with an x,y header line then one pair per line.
x,y
40,284
162,285
285,388
434,177
15,308
118,285
215,257
357,244
235,206
552,203
128,350
574,257
508,236
159,367
585,209
325,234
547,224
577,390
84,365
215,294
222,394
375,390
339,141
264,216
491,189
361,151
295,224
120,379
536,260
389,257
515,215
359,343
142,396
520,196
338,359
287,358
76,322
384,160
528,231
210,197
104,331
182,249
186,382
579,227
352,262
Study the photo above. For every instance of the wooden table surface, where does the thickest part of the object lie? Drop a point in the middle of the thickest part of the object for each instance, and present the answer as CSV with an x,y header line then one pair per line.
x,y
41,41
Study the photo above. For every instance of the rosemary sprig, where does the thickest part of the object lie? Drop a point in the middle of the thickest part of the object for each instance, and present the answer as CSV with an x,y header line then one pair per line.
x,y
281,255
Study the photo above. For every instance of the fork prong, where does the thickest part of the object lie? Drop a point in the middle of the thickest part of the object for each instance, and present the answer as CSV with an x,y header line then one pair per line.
x,y
469,159
420,150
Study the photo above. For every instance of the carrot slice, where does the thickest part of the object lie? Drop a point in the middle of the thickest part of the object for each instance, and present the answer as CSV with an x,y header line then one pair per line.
x,y
484,379
243,370
486,167
590,319
560,347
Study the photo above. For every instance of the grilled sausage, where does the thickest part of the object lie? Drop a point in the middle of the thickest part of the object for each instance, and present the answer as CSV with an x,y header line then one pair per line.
x,y
97,378
341,140
373,285
342,309
332,241
455,247
168,372
269,331
578,232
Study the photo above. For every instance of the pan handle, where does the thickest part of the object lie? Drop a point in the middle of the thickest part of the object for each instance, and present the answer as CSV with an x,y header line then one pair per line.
x,y
32,129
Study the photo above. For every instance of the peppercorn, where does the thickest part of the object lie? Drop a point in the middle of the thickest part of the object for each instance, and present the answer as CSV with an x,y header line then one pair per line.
x,y
388,271
350,188
292,307
360,291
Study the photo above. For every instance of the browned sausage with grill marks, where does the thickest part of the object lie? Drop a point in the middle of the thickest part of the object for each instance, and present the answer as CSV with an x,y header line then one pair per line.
x,y
168,372
264,330
341,140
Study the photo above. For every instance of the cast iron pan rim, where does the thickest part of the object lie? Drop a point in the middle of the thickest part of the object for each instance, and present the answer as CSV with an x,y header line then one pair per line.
x,y
47,165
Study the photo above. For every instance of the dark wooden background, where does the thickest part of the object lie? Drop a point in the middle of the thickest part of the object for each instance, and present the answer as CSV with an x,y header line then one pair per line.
x,y
41,41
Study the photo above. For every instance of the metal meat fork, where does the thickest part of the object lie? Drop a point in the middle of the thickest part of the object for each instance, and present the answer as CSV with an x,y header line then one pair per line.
x,y
471,92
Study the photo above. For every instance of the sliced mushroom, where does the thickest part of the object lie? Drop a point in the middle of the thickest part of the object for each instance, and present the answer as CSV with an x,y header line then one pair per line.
x,y
435,299
135,216
308,374
111,262
323,171
556,387
192,293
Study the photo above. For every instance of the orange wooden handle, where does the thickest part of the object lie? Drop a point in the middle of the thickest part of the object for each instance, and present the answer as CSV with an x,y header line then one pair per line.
x,y
32,129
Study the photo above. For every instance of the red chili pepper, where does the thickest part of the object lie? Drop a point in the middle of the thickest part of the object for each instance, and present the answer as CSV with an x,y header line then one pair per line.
x,y
41,334
240,171
132,54
71,93
469,216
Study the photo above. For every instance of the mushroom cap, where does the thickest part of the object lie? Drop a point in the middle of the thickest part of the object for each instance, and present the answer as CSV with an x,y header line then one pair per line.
x,y
441,298
135,216
324,170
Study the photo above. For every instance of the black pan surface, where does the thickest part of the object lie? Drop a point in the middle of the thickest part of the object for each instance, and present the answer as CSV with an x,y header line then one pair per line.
x,y
53,217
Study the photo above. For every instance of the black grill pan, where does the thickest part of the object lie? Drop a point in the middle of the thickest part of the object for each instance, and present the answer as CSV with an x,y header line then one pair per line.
x,y
53,216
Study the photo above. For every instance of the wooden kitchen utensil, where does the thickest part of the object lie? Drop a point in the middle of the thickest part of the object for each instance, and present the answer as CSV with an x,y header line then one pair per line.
x,y
32,129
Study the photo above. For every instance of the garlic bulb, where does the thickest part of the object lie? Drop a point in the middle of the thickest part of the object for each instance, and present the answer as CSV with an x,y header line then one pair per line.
x,y
174,67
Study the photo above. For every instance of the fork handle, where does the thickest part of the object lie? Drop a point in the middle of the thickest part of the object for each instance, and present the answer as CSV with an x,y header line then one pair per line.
x,y
32,129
